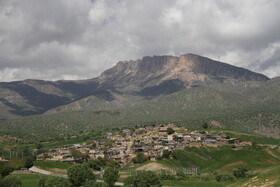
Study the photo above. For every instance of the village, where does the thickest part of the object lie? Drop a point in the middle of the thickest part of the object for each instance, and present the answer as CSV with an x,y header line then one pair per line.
x,y
151,141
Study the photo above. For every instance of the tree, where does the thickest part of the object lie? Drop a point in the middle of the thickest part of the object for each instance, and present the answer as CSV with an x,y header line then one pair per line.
x,y
50,181
38,146
11,181
205,125
111,176
28,162
91,183
241,172
224,177
76,154
78,174
165,154
6,170
94,164
169,131
143,179
140,158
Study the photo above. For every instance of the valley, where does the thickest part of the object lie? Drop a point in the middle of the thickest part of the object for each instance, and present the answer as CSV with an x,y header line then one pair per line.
x,y
223,121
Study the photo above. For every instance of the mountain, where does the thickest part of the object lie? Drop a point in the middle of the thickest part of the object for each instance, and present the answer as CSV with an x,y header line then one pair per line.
x,y
188,89
127,83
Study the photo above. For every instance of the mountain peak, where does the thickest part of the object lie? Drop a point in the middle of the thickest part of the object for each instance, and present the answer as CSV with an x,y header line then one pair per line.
x,y
188,68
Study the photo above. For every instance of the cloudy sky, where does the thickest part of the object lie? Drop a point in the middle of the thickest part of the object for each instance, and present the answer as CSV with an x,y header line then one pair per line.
x,y
77,39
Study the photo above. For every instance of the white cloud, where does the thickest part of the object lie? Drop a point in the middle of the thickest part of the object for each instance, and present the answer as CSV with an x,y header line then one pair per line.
x,y
70,39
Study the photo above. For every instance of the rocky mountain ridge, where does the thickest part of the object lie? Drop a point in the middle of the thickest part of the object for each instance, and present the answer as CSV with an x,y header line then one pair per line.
x,y
127,83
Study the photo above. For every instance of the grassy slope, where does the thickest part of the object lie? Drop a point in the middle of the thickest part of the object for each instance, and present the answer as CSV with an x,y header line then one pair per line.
x,y
246,136
269,177
29,180
192,184
183,106
222,159
51,164
251,111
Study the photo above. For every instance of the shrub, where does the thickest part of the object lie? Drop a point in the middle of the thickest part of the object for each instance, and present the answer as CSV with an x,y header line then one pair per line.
x,y
140,158
143,179
11,181
78,174
6,170
94,164
165,154
241,172
28,163
111,176
164,175
226,177
50,181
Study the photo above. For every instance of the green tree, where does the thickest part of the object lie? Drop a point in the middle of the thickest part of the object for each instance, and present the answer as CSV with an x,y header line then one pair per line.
x,y
143,179
205,125
11,181
28,163
111,176
38,146
89,183
169,131
241,172
78,174
50,181
94,164
6,170
16,163
165,154
94,184
78,155
140,158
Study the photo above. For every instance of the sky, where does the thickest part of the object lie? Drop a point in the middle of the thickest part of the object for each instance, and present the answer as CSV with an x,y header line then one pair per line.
x,y
78,39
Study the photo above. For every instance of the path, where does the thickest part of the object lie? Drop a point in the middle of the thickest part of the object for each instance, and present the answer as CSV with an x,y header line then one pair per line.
x,y
45,172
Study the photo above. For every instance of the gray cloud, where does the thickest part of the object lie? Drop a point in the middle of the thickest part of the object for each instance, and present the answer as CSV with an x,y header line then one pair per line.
x,y
70,39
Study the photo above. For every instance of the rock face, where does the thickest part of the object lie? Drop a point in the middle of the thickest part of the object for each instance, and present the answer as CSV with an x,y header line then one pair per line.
x,y
148,77
187,68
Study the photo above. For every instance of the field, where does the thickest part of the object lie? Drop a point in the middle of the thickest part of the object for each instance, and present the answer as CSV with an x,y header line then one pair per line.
x,y
192,184
222,159
246,136
51,164
29,180
61,143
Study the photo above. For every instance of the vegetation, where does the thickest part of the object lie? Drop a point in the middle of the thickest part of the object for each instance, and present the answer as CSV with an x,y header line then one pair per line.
x,y
29,180
80,173
11,181
140,158
223,158
143,179
205,125
165,154
258,113
169,131
111,176
51,164
76,154
50,181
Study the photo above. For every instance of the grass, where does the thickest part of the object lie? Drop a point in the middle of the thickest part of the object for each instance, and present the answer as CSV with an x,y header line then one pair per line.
x,y
221,159
29,180
191,108
62,143
51,164
268,177
192,184
252,138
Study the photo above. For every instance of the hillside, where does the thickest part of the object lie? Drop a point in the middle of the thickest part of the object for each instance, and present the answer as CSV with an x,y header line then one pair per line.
x,y
127,83
187,90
